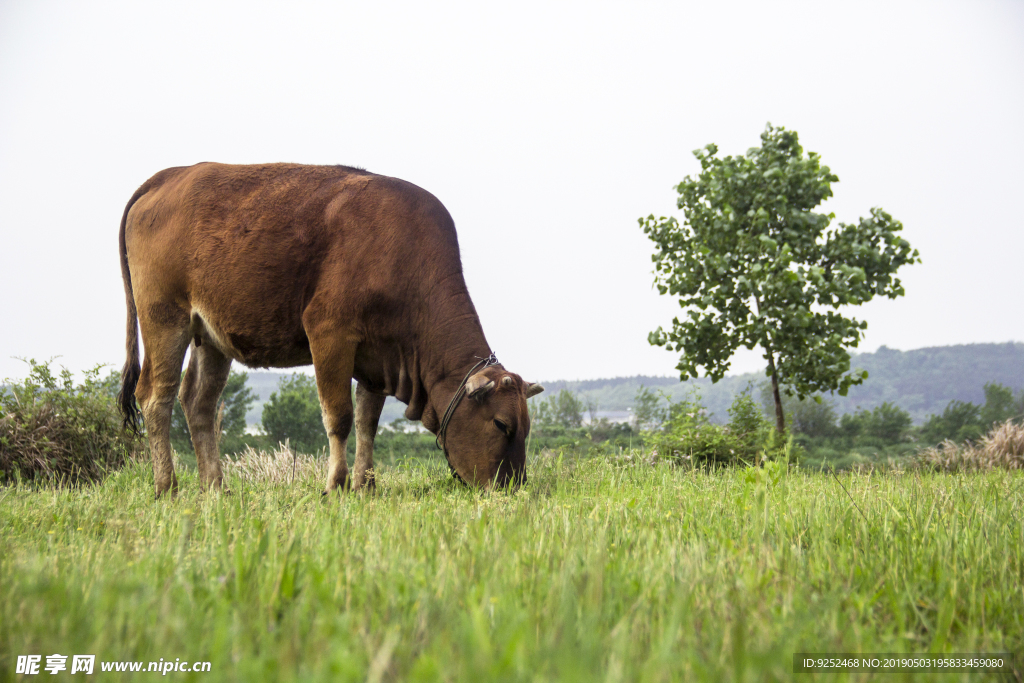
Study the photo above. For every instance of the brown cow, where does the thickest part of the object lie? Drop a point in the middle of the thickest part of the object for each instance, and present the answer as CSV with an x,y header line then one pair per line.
x,y
281,265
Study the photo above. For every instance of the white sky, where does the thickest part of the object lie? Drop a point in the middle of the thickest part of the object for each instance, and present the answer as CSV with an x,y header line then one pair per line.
x,y
546,130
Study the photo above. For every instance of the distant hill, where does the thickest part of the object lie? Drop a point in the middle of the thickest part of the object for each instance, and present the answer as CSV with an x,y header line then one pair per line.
x,y
922,381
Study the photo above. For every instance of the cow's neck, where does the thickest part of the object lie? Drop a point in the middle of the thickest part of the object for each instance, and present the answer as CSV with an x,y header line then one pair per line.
x,y
442,390
451,343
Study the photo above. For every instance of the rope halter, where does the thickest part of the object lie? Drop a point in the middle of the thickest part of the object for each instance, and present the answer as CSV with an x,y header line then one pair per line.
x,y
440,441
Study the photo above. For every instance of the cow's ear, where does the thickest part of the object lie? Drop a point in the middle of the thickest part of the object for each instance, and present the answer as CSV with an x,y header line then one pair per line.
x,y
478,386
532,389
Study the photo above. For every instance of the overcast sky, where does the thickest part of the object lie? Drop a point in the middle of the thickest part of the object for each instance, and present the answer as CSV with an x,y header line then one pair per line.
x,y
547,129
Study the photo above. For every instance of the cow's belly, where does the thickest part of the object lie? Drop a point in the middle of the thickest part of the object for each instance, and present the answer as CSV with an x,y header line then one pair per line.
x,y
266,345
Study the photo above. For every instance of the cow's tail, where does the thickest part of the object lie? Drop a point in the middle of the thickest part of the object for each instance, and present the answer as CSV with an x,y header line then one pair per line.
x,y
129,409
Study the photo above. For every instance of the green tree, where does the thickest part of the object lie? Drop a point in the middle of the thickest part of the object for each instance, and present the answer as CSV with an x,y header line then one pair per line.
x,y
886,422
541,415
889,423
648,412
999,407
963,421
754,265
852,425
293,414
236,400
567,409
960,421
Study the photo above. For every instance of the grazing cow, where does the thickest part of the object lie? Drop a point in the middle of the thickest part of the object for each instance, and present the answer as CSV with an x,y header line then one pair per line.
x,y
281,265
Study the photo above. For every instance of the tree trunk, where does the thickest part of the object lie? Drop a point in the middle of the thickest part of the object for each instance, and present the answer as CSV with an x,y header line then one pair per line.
x,y
780,419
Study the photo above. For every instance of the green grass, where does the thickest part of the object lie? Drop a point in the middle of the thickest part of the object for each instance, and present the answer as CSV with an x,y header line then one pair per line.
x,y
594,571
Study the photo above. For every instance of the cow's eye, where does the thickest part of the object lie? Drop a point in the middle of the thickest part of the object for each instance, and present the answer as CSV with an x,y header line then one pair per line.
x,y
502,426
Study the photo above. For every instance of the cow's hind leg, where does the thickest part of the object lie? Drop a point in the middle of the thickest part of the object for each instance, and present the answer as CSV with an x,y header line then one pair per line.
x,y
368,407
333,361
165,345
205,378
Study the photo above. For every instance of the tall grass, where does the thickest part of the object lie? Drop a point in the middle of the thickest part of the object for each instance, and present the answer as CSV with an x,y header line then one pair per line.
x,y
594,571
1003,447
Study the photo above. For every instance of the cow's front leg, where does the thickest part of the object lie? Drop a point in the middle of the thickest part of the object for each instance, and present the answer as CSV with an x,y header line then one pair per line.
x,y
368,407
333,360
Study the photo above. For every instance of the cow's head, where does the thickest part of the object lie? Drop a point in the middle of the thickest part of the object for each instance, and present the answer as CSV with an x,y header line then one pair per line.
x,y
486,435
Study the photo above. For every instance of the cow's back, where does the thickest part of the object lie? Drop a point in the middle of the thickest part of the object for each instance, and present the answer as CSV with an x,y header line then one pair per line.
x,y
248,249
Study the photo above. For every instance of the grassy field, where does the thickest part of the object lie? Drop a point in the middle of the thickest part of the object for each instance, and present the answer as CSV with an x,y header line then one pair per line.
x,y
595,571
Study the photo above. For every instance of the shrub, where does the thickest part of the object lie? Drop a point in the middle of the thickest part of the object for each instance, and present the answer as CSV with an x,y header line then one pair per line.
x,y
52,429
749,427
889,423
689,435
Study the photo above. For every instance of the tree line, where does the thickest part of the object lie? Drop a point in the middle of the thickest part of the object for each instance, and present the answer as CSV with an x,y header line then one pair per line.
x,y
567,419
816,433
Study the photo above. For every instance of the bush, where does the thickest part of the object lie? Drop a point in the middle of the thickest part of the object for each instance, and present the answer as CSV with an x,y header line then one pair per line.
x,y
812,418
749,427
687,434
889,423
54,430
